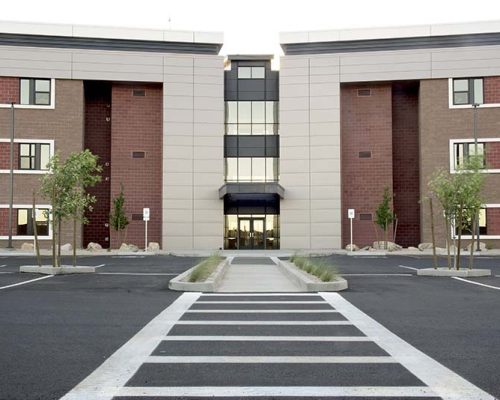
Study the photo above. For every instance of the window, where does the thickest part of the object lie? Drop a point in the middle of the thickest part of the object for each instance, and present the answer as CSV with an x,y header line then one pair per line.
x,y
251,169
251,72
482,225
468,91
35,91
462,151
34,156
251,117
25,222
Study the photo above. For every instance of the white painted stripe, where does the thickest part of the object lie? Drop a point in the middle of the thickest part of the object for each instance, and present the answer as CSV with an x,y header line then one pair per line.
x,y
105,382
261,302
275,391
270,359
100,265
4,265
263,311
7,272
25,282
377,275
269,338
444,382
475,283
263,294
135,273
128,256
404,266
208,322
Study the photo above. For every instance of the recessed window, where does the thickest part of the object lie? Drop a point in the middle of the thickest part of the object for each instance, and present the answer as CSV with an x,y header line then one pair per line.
x,y
139,93
365,154
138,154
34,156
25,222
251,117
251,72
468,91
364,92
365,217
251,169
136,217
463,151
35,91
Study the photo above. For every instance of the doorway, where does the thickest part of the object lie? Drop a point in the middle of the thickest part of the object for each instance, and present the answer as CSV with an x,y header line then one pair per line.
x,y
251,233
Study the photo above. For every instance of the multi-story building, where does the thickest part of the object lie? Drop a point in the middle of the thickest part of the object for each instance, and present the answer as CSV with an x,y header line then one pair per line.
x,y
231,154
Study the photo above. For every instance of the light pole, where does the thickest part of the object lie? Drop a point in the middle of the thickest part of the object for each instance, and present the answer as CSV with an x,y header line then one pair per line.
x,y
11,199
474,127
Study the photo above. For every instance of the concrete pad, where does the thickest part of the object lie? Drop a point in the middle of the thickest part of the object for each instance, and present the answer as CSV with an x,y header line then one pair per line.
x,y
50,270
464,273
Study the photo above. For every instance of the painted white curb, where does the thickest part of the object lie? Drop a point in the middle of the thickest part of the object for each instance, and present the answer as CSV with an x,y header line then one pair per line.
x,y
307,282
50,270
463,273
181,283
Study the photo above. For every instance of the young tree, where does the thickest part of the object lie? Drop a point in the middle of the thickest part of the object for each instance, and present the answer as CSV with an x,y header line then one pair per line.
x,y
384,216
118,219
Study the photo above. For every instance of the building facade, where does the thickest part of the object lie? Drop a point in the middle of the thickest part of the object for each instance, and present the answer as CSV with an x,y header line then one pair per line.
x,y
229,153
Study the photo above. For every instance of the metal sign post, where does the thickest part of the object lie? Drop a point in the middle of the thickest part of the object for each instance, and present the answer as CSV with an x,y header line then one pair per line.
x,y
350,215
145,218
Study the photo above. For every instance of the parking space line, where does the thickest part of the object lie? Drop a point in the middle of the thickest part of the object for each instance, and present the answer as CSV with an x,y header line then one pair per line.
x,y
209,322
412,268
441,380
301,311
271,359
137,273
7,272
100,265
4,265
278,391
376,275
269,338
25,282
475,283
106,380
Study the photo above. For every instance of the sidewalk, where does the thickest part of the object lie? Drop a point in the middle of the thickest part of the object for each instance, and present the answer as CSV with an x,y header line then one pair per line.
x,y
255,275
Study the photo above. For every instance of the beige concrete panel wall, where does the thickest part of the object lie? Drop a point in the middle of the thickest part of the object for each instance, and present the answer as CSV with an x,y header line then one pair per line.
x,y
193,152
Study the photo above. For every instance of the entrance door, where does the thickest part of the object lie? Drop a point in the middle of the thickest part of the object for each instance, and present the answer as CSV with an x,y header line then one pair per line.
x,y
251,233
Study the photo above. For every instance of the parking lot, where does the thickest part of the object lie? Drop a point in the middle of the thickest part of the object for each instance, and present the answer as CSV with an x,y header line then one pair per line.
x,y
58,330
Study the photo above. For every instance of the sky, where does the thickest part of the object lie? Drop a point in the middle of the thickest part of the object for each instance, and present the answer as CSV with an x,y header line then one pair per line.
x,y
252,26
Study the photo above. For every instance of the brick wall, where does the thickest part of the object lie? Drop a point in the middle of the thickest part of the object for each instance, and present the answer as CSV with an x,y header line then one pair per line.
x,y
137,126
4,222
5,155
366,125
405,162
9,90
493,155
493,221
98,141
438,124
491,89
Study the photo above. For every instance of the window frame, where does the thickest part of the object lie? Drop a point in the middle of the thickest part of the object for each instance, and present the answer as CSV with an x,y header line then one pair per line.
x,y
271,164
252,68
268,126
17,142
32,91
17,207
452,153
35,159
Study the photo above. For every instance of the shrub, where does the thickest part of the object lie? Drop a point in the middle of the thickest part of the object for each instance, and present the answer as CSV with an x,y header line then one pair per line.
x,y
204,269
319,268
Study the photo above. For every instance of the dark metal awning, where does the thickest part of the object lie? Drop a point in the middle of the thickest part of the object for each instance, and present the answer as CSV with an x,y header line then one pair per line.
x,y
252,188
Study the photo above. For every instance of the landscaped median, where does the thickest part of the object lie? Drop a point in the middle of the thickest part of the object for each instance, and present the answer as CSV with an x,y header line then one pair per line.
x,y
62,270
203,277
312,275
463,273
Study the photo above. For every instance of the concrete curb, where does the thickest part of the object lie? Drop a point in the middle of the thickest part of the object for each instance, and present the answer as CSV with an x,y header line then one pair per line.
x,y
50,270
364,253
309,283
463,273
180,282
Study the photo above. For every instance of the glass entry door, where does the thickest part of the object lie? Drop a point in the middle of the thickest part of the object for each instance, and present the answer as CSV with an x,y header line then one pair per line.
x,y
251,233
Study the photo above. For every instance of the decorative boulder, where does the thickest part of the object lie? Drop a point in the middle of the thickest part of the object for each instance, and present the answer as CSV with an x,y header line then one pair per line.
x,y
354,247
153,246
367,248
390,246
94,246
66,247
27,247
424,246
412,248
129,247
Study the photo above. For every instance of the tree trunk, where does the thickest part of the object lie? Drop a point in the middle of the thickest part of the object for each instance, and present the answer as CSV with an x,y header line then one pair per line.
x,y
74,242
385,235
459,242
448,241
473,236
434,257
35,232
54,229
59,241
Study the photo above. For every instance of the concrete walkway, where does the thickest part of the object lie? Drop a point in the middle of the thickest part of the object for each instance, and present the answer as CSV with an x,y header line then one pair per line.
x,y
255,275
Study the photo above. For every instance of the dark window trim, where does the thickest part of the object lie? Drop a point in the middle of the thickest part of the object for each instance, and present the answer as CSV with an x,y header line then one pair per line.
x,y
30,222
35,158
33,92
252,67
470,93
466,150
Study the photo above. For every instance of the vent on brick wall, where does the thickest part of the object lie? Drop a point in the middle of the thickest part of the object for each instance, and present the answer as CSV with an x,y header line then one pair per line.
x,y
138,154
365,154
364,92
136,217
139,92
365,217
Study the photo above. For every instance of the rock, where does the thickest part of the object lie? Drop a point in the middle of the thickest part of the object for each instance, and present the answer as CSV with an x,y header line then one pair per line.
x,y
94,246
367,248
412,248
424,246
390,246
153,246
129,247
66,247
27,247
482,246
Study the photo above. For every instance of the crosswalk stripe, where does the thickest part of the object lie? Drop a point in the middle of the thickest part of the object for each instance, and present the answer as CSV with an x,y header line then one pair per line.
x,y
271,359
275,391
313,311
208,322
262,294
261,302
269,338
